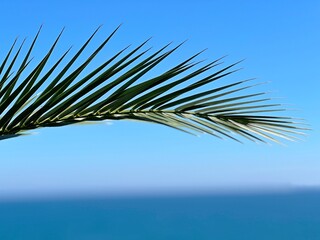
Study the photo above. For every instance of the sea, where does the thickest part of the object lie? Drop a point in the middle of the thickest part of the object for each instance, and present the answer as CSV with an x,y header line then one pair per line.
x,y
292,215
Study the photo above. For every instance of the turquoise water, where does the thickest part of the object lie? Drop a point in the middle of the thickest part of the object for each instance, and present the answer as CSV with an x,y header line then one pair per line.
x,y
247,216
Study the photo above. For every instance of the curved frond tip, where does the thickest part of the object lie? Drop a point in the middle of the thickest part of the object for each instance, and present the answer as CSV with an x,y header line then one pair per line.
x,y
188,96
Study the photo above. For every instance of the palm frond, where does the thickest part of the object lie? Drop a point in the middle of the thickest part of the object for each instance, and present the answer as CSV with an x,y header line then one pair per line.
x,y
183,97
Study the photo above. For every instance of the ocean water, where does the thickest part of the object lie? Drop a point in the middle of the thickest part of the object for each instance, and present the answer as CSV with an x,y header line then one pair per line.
x,y
256,216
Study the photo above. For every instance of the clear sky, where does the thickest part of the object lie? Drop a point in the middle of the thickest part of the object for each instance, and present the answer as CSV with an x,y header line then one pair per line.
x,y
280,42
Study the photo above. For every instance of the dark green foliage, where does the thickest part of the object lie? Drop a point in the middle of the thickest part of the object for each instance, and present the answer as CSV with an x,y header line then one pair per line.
x,y
119,89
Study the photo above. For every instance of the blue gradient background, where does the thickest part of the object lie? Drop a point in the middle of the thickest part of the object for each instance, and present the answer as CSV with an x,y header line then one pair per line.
x,y
278,39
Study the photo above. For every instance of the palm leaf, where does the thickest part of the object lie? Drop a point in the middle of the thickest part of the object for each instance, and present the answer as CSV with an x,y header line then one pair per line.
x,y
187,97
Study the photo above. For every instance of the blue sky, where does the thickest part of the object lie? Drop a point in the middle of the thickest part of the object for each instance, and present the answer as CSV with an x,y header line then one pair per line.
x,y
278,39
